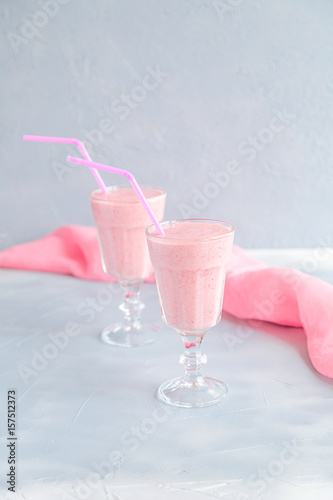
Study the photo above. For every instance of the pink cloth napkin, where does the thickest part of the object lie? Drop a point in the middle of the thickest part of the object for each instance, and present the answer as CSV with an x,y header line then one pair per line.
x,y
253,290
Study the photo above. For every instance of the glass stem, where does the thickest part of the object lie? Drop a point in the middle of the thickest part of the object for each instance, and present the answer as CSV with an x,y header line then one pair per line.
x,y
132,306
193,359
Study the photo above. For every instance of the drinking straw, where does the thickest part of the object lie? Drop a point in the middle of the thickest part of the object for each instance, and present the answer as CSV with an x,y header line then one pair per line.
x,y
75,142
129,176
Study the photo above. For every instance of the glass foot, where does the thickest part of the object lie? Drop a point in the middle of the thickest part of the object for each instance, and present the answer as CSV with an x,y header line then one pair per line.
x,y
122,336
179,392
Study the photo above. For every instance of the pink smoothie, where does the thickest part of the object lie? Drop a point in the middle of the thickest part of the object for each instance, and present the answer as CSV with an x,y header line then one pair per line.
x,y
190,266
121,221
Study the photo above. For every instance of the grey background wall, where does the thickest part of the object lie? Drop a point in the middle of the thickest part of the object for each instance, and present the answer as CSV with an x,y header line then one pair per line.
x,y
228,104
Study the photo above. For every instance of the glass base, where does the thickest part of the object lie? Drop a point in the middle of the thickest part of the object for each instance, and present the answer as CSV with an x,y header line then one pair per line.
x,y
179,392
121,336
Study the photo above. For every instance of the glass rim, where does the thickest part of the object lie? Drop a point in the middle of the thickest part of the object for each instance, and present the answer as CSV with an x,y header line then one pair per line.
x,y
116,187
163,237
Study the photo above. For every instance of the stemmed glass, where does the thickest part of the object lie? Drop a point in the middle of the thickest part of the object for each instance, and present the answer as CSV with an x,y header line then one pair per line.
x,y
190,263
121,220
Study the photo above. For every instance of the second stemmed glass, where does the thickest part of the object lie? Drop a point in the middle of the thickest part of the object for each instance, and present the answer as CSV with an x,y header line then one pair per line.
x,y
190,263
121,220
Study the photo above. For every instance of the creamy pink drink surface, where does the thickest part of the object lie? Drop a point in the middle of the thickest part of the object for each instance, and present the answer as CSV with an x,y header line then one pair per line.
x,y
190,266
121,221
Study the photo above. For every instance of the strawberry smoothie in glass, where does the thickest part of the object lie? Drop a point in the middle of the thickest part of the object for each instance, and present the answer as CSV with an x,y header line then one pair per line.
x,y
190,263
121,220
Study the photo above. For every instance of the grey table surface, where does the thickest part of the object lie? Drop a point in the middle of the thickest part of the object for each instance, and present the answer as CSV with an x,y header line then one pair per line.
x,y
89,424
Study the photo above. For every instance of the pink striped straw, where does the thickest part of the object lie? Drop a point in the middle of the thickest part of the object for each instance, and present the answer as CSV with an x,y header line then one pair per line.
x,y
75,142
129,176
